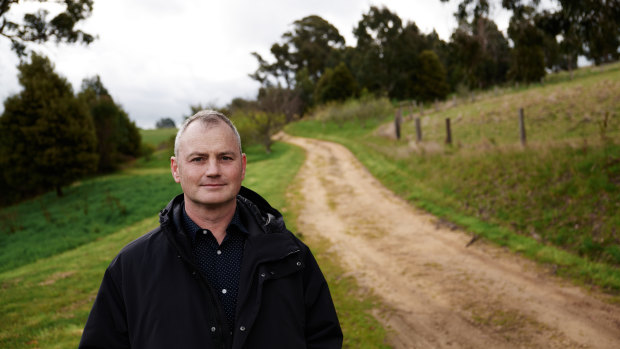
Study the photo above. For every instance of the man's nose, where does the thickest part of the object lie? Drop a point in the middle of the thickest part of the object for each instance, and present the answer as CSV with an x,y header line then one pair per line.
x,y
212,168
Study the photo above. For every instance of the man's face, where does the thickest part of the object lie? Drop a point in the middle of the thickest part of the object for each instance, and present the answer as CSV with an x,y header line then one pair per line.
x,y
209,165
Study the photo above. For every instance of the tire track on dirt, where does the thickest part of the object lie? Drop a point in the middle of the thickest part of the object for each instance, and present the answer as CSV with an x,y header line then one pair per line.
x,y
437,292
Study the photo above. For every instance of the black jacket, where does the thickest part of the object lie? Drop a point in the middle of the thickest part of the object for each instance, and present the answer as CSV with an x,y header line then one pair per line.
x,y
153,296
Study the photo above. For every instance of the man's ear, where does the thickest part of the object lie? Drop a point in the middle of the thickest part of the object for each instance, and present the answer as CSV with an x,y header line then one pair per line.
x,y
174,168
243,163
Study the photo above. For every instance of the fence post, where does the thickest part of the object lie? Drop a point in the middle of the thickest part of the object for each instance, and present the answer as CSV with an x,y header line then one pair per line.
x,y
398,120
418,130
522,127
448,132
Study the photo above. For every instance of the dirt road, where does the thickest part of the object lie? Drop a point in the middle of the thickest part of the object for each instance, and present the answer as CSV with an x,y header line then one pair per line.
x,y
437,292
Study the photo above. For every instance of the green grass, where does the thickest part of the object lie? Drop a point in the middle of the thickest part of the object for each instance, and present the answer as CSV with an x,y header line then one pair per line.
x,y
44,302
561,113
555,201
158,136
90,209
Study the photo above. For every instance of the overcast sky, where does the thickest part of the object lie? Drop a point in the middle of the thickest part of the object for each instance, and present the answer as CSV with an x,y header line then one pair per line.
x,y
156,57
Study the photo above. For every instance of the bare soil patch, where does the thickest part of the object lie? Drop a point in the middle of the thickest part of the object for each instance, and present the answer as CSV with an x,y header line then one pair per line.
x,y
438,293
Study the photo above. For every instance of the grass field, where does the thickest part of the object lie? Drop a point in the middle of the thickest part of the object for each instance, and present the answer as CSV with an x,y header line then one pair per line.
x,y
158,136
555,200
54,259
91,208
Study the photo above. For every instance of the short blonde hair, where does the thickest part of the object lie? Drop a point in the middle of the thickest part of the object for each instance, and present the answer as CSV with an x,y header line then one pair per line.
x,y
207,117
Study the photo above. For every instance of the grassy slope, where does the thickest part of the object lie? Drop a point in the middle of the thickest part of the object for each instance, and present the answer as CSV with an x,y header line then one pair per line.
x,y
45,303
562,190
48,225
92,208
157,136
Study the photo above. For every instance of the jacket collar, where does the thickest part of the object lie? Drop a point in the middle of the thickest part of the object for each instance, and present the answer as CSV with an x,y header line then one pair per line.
x,y
265,226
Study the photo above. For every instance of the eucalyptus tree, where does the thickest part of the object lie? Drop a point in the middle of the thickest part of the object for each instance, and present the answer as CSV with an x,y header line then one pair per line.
x,y
36,27
313,44
377,49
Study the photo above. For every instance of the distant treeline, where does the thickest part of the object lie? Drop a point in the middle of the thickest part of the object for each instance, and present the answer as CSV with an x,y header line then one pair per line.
x,y
313,65
50,137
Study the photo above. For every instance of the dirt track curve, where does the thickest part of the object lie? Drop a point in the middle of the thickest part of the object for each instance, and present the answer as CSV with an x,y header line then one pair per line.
x,y
437,292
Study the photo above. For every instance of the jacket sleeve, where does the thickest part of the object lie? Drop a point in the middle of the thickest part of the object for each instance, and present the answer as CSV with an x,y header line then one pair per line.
x,y
106,326
322,325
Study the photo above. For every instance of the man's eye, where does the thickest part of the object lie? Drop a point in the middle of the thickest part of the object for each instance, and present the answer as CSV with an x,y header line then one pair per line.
x,y
227,158
196,159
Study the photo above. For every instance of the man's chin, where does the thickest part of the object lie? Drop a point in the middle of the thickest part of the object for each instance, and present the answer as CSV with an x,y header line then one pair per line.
x,y
215,200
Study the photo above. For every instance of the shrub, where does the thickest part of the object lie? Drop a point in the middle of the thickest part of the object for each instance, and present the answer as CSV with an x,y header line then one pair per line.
x,y
257,127
362,110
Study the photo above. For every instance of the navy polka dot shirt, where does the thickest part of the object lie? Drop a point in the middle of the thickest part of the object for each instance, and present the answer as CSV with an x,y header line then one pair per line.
x,y
220,264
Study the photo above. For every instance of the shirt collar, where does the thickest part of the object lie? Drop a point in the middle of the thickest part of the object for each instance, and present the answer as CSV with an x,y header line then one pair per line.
x,y
191,228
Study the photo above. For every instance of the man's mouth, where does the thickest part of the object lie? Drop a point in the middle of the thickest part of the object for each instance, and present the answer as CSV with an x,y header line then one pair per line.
x,y
213,185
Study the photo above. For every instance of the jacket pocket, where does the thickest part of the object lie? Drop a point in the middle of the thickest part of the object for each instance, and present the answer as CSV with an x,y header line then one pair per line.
x,y
290,264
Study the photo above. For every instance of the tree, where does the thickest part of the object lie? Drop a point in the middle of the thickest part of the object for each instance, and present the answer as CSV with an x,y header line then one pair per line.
x,y
35,26
280,101
385,60
258,127
594,26
165,123
559,55
409,44
313,44
336,84
528,57
377,50
480,52
432,83
47,139
118,138
470,10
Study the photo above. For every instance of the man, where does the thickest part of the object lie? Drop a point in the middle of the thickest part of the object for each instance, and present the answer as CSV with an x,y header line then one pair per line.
x,y
221,270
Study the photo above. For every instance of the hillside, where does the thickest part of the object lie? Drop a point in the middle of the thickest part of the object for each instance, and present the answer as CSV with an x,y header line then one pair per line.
x,y
562,189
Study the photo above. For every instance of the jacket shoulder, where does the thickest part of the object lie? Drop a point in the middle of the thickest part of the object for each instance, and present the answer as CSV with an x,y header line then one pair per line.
x,y
138,247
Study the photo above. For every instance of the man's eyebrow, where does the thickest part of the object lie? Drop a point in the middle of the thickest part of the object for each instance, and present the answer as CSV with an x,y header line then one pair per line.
x,y
229,152
192,154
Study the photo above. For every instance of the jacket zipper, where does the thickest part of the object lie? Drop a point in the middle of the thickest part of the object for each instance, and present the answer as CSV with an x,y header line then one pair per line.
x,y
205,286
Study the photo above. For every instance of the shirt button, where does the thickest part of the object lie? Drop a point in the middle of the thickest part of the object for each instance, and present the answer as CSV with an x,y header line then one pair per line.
x,y
204,232
213,329
262,274
299,264
219,252
224,291
242,328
